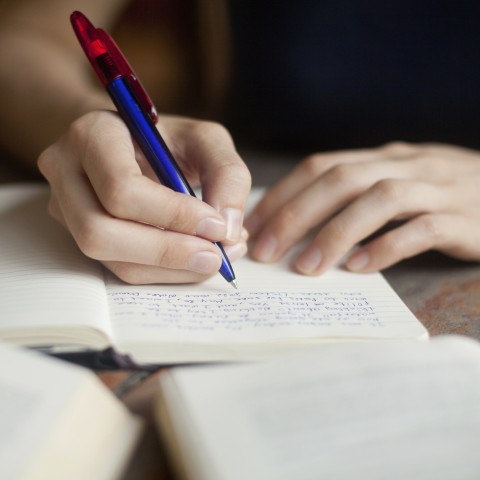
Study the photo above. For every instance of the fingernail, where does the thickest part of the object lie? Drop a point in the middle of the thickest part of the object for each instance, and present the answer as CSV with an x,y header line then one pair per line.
x,y
309,260
253,224
358,261
211,228
234,252
204,262
265,248
234,219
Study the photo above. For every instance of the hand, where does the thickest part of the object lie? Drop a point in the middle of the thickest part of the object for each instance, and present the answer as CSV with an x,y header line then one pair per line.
x,y
433,191
105,193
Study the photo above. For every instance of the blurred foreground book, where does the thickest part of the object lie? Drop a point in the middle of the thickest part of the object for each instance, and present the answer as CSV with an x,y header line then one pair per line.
x,y
59,422
367,410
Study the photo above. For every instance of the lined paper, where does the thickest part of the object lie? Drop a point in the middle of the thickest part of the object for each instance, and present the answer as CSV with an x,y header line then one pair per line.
x,y
46,282
272,303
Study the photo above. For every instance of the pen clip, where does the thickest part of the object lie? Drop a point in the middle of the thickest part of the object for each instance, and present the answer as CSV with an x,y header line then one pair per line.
x,y
108,61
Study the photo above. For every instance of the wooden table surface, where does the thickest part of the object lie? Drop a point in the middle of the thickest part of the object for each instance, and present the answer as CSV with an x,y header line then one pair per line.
x,y
443,293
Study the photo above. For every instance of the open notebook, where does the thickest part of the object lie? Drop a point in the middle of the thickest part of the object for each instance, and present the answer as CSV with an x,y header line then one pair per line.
x,y
53,296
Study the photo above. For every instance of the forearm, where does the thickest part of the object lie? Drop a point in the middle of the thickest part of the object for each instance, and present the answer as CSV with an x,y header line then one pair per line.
x,y
40,97
45,84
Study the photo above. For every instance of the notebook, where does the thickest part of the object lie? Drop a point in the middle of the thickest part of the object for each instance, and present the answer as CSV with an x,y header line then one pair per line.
x,y
53,297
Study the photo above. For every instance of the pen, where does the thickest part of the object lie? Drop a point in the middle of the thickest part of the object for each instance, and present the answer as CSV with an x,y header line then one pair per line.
x,y
136,110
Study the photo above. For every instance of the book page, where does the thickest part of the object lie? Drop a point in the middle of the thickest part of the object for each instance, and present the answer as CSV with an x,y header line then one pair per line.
x,y
273,304
368,410
30,403
58,421
46,282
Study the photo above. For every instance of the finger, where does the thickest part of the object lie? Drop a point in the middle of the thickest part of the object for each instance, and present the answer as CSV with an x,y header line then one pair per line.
x,y
146,274
224,177
451,234
386,200
125,193
313,167
106,238
315,205
233,252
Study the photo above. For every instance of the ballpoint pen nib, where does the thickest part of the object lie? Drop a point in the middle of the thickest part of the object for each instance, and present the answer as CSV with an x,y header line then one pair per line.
x,y
234,284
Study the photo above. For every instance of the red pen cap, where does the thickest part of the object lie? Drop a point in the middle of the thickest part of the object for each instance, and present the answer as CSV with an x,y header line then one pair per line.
x,y
107,60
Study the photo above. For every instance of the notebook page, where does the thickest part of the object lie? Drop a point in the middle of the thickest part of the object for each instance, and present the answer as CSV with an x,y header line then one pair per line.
x,y
273,303
46,282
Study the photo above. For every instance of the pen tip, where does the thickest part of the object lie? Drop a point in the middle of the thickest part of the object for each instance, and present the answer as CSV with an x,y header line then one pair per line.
x,y
234,284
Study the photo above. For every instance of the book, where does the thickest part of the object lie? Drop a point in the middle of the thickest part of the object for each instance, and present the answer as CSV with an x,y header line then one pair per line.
x,y
358,410
53,297
58,421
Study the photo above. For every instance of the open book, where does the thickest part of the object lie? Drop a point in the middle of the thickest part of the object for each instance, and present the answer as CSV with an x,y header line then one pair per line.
x,y
58,421
367,410
53,296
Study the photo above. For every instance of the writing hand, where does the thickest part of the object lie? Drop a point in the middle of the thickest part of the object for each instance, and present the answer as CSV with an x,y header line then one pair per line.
x,y
105,193
433,190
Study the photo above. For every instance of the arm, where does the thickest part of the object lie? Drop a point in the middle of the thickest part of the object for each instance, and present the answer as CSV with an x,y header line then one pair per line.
x,y
44,81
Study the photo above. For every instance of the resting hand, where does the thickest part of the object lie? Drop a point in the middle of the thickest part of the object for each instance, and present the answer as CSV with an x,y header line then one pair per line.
x,y
432,190
105,193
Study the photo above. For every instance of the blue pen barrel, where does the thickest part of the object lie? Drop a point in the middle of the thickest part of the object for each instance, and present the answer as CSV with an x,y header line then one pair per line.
x,y
147,136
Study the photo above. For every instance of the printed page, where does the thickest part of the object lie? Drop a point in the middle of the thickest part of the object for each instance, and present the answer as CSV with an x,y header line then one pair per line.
x,y
368,410
51,292
273,306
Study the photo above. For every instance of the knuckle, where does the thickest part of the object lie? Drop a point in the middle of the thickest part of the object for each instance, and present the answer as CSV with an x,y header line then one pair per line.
x,y
313,165
432,229
182,216
287,218
236,175
45,162
389,190
207,128
337,231
167,255
77,129
393,246
398,148
128,272
340,174
162,256
90,239
117,195
87,127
